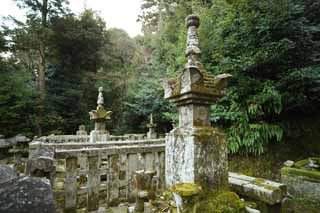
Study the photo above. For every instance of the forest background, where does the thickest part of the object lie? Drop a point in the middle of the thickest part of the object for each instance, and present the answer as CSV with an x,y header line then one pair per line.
x,y
52,64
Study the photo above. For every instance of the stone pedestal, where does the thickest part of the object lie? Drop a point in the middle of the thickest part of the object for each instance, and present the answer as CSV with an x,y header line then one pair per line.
x,y
197,155
196,152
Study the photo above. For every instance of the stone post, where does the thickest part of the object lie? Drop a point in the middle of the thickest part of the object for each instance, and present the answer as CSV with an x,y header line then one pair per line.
x,y
144,189
152,133
196,152
99,116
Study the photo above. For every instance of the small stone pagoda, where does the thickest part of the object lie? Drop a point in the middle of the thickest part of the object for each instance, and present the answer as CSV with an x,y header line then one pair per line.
x,y
196,152
152,134
100,117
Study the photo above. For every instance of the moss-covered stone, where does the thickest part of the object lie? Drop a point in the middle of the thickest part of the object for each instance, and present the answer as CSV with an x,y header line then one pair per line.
x,y
305,162
186,189
261,182
223,202
315,175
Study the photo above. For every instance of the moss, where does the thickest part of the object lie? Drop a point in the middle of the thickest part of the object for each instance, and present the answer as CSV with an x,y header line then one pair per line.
x,y
186,189
222,202
261,182
58,186
305,162
301,172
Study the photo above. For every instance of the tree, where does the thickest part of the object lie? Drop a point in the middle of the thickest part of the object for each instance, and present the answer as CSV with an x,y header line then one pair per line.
x,y
37,28
17,95
77,49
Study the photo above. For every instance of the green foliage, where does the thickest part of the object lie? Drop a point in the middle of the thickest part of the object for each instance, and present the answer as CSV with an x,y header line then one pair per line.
x,y
270,47
16,99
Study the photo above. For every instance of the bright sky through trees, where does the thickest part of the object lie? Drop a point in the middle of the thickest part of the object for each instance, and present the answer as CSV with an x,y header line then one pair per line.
x,y
117,13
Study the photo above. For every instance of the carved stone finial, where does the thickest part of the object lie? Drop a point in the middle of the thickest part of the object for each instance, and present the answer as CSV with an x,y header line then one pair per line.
x,y
100,96
151,119
193,46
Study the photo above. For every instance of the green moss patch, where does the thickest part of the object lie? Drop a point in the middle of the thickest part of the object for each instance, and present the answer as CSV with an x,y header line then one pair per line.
x,y
315,175
261,182
305,162
223,202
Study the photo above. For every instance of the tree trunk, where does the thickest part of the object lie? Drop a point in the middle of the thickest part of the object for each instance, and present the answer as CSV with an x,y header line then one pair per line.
x,y
42,64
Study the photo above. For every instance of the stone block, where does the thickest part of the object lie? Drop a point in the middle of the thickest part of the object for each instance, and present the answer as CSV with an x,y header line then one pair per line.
x,y
197,155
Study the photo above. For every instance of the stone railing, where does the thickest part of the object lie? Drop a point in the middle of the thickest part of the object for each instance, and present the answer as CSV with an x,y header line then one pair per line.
x,y
86,138
89,176
64,139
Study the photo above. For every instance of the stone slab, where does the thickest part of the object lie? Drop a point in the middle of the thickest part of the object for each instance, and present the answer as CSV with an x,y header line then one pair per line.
x,y
260,189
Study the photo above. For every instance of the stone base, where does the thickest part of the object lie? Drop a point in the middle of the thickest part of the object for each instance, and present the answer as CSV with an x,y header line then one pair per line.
x,y
197,155
99,135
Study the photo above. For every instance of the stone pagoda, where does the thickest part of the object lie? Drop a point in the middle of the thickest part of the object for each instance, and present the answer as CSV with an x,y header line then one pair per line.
x,y
196,152
99,116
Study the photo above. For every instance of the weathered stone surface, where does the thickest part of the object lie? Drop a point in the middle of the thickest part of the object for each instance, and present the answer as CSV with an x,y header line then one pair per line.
x,y
6,174
143,186
301,182
197,155
26,194
41,163
259,189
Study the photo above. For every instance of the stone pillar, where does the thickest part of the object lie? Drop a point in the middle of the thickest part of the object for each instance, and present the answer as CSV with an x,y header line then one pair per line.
x,y
196,152
152,132
99,116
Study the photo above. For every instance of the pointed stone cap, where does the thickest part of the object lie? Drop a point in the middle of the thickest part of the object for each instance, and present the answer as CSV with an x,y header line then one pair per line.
x,y
194,85
151,124
100,114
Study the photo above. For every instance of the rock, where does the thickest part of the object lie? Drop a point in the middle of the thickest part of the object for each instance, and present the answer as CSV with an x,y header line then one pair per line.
x,y
289,163
6,174
27,194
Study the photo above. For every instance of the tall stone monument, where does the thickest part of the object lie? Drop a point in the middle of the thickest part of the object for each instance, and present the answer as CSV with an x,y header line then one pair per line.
x,y
99,116
196,152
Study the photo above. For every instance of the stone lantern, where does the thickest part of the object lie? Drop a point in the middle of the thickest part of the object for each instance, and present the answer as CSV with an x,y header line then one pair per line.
x,y
196,152
99,116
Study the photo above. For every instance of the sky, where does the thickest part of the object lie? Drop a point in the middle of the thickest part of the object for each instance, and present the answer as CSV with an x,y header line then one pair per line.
x,y
116,13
